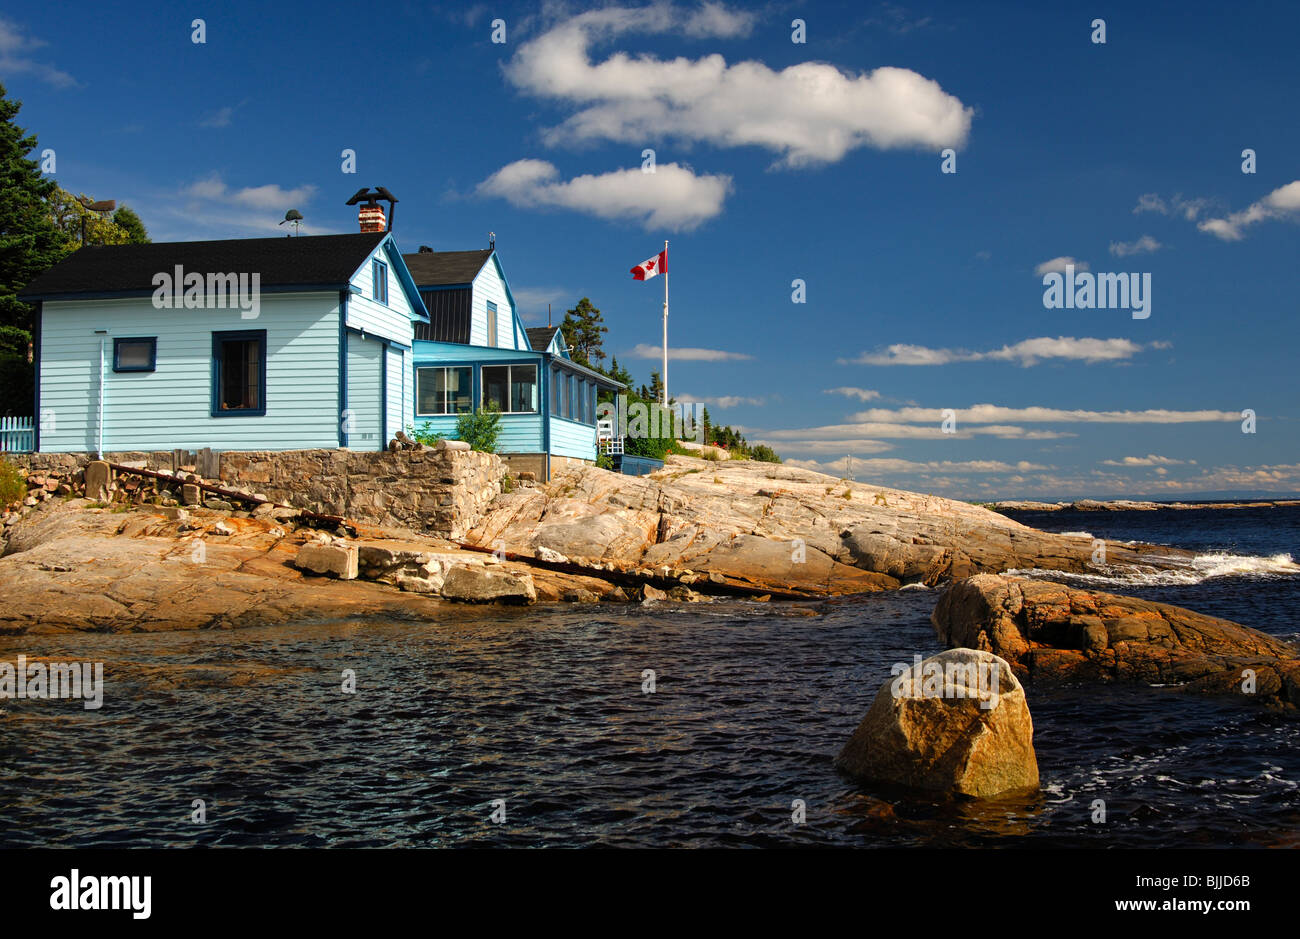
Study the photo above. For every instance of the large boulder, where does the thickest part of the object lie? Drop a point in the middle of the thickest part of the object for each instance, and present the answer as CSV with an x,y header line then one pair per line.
x,y
335,560
1050,631
956,723
472,584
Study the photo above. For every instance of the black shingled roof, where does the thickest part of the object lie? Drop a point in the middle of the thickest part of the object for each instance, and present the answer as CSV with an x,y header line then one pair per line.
x,y
539,337
324,261
444,268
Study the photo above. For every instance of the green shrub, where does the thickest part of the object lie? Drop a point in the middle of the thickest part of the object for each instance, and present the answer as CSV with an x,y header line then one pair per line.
x,y
480,429
764,454
424,435
656,448
604,461
13,484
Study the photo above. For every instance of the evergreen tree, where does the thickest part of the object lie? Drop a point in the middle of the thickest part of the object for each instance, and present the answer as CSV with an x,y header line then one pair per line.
x,y
126,219
583,329
656,390
29,242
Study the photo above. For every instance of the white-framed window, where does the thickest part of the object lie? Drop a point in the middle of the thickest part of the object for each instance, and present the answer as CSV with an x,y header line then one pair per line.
x,y
512,389
444,389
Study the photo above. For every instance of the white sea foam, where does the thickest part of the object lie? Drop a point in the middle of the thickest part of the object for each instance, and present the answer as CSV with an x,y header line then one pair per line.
x,y
1198,569
1076,534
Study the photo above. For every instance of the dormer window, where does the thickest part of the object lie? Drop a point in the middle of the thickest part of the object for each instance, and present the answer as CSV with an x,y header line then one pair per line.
x,y
379,289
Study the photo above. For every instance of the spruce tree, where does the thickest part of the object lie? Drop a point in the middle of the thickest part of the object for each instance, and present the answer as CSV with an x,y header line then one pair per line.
x,y
583,330
29,242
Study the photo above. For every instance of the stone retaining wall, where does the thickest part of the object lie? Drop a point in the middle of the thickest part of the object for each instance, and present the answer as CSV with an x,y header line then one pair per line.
x,y
444,492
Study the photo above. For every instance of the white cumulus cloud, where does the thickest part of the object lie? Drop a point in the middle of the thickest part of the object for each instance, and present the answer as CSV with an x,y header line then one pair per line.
x,y
1281,203
672,197
1144,245
1027,352
861,394
808,113
1058,265
687,354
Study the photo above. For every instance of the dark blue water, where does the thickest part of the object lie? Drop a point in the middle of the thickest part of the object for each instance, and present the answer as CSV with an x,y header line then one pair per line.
x,y
545,708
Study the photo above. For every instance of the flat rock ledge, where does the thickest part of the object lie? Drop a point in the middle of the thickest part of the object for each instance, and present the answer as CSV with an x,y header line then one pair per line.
x,y
780,528
1049,631
957,723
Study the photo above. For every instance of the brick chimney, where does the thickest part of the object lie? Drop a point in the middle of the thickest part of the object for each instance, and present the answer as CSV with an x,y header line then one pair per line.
x,y
369,213
371,218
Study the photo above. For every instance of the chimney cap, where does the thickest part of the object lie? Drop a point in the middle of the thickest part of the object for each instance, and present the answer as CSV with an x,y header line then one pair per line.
x,y
372,198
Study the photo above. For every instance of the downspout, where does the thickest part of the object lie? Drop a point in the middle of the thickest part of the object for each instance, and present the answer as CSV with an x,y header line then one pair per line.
x,y
343,366
99,427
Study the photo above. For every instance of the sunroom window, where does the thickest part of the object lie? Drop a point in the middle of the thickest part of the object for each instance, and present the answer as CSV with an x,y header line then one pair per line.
x,y
444,390
512,389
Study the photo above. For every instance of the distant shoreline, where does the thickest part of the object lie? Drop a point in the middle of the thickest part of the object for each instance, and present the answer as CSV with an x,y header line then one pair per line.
x,y
1129,505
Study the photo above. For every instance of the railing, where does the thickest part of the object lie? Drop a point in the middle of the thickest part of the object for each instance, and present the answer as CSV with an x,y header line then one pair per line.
x,y
609,444
17,434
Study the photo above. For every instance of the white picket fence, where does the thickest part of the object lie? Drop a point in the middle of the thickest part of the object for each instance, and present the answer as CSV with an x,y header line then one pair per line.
x,y
17,434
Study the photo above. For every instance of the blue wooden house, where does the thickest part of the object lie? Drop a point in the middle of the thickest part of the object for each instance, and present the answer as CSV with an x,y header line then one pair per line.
x,y
248,344
297,343
475,348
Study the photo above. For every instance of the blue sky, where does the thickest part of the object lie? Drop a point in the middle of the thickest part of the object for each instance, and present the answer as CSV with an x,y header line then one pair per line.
x,y
775,161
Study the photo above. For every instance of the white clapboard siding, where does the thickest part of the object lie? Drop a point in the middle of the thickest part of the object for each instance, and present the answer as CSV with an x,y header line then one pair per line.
x,y
171,407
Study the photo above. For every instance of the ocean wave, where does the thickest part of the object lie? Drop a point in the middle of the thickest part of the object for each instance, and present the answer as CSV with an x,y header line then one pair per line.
x,y
1182,572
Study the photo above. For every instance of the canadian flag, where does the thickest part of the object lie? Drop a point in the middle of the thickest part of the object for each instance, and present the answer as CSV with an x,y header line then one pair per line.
x,y
652,268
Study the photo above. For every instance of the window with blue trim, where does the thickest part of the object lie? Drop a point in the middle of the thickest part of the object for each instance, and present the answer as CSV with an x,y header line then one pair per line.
x,y
135,354
239,373
379,274
444,390
511,389
491,323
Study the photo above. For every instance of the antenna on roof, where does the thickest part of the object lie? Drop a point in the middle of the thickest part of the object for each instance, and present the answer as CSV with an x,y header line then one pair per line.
x,y
492,240
104,206
293,215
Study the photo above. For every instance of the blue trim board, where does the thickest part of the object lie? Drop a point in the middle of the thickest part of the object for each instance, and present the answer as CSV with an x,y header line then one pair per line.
x,y
36,391
343,367
405,279
392,343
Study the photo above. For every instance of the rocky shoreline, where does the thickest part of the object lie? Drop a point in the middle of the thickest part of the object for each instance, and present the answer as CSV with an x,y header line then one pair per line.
x,y
1129,505
1050,632
694,530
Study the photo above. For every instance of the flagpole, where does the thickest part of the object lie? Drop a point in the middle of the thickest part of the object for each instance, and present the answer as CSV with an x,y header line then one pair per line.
x,y
665,376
